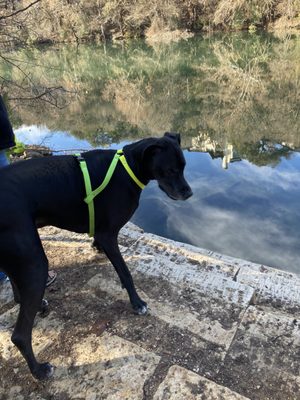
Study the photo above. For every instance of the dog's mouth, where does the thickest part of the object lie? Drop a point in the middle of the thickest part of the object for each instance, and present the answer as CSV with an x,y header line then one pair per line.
x,y
182,195
172,197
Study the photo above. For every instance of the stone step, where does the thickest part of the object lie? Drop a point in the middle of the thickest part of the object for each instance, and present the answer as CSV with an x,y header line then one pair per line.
x,y
45,332
171,329
186,266
273,287
212,321
129,234
107,367
178,252
94,367
263,360
152,254
210,272
182,384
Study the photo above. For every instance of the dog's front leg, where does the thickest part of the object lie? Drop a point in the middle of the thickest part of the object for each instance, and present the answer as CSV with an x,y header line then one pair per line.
x,y
109,244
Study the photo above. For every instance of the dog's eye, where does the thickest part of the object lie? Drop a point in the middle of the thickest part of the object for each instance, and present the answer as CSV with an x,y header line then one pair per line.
x,y
172,171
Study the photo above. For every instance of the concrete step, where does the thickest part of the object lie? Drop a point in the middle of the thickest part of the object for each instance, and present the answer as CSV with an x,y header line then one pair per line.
x,y
182,384
168,259
263,360
209,272
186,265
276,288
106,368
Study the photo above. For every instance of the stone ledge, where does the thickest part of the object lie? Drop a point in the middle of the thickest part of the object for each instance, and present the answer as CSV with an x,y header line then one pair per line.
x,y
203,318
182,384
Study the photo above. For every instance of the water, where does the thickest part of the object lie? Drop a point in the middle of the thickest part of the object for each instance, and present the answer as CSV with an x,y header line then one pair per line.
x,y
234,98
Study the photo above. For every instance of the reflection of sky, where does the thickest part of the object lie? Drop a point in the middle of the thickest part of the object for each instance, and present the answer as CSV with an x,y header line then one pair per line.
x,y
56,140
246,211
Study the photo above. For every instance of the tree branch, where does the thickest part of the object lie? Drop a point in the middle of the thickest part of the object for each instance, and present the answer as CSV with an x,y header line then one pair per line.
x,y
19,11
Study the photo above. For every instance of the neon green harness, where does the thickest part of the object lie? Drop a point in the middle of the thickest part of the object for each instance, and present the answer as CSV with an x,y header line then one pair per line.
x,y
91,194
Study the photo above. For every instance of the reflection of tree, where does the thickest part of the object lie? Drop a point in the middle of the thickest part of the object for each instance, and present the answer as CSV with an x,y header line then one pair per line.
x,y
23,86
14,20
264,152
234,88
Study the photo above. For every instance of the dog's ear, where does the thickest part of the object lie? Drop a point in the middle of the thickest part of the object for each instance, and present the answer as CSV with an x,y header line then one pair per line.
x,y
173,136
154,147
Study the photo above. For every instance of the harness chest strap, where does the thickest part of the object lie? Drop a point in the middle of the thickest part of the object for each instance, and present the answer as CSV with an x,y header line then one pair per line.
x,y
91,194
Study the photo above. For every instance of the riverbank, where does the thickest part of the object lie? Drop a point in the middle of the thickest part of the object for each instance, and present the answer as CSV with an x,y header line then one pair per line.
x,y
57,21
218,327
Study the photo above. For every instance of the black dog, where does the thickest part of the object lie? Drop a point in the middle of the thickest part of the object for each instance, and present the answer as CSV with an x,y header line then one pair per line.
x,y
50,191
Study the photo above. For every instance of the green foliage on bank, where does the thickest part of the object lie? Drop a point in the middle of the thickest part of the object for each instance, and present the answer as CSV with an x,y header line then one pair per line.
x,y
17,150
80,20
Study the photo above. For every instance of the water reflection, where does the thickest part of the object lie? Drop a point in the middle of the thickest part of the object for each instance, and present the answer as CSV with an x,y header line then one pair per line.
x,y
247,211
237,89
263,152
234,98
60,141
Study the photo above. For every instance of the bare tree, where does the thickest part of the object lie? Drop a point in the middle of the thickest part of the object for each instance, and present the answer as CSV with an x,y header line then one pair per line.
x,y
15,22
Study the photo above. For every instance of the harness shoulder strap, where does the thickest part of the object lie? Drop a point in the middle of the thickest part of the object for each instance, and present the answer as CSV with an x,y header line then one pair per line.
x,y
130,172
88,189
91,194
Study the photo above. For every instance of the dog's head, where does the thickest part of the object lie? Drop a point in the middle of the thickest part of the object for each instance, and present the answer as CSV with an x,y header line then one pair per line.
x,y
166,164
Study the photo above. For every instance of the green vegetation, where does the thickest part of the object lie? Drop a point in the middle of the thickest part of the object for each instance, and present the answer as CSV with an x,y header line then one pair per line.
x,y
236,88
37,21
18,149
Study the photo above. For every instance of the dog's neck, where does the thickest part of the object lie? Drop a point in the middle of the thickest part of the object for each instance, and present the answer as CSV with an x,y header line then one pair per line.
x,y
135,156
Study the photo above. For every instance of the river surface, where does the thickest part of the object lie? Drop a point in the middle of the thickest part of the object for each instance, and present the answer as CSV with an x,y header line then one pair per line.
x,y
235,99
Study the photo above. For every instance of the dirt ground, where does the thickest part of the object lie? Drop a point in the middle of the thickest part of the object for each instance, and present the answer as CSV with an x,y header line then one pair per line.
x,y
84,313
189,346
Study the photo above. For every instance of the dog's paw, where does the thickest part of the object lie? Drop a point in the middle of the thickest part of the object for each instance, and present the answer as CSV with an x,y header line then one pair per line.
x,y
140,308
43,371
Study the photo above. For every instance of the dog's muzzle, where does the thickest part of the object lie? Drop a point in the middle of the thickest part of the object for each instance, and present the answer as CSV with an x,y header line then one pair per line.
x,y
187,193
179,194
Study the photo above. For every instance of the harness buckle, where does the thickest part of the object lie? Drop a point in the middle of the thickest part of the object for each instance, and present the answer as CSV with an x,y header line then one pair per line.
x,y
79,157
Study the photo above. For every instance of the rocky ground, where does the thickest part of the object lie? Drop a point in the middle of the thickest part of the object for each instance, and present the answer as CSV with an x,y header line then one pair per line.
x,y
218,328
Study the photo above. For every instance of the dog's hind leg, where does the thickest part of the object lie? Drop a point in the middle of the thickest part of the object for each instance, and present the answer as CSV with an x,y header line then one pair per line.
x,y
31,295
44,306
109,244
27,268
